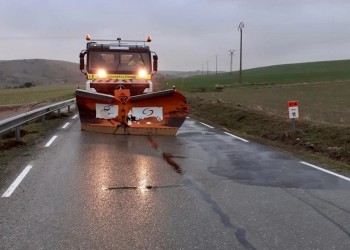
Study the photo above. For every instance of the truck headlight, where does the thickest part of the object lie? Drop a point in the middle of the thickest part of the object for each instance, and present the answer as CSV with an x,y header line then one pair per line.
x,y
101,73
142,73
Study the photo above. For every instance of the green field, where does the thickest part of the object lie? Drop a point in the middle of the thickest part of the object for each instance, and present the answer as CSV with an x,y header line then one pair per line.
x,y
52,92
326,103
329,71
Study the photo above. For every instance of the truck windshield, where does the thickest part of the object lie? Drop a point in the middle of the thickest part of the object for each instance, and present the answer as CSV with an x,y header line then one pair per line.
x,y
119,62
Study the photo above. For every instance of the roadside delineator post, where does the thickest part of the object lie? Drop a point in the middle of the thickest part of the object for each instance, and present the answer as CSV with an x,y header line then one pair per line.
x,y
293,110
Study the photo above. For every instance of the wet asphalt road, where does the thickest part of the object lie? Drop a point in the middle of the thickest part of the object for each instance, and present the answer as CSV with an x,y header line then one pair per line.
x,y
200,190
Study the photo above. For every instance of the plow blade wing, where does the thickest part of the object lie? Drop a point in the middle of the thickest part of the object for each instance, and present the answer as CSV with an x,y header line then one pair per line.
x,y
157,113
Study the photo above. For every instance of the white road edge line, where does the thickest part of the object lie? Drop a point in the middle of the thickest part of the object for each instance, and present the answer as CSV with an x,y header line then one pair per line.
x,y
15,184
326,171
65,125
235,136
51,141
74,116
206,125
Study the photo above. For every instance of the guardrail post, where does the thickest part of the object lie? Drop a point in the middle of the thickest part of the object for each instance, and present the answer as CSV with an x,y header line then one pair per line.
x,y
68,109
43,120
59,113
18,133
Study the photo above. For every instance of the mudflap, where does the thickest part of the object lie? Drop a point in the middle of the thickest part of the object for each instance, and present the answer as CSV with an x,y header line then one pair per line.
x,y
157,113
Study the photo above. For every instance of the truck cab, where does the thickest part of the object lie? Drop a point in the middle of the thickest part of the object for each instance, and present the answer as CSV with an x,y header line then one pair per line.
x,y
111,65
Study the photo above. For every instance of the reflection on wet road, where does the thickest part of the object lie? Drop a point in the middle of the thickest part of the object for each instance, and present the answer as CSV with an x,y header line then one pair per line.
x,y
202,189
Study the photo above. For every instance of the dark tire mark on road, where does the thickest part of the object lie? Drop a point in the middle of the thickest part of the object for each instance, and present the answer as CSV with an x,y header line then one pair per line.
x,y
240,233
168,157
153,143
328,202
303,200
141,187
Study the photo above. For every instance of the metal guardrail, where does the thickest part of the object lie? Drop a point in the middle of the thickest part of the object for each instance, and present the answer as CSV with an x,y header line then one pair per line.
x,y
15,122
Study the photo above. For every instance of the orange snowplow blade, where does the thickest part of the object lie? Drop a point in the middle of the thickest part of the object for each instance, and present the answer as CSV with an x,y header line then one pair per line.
x,y
157,113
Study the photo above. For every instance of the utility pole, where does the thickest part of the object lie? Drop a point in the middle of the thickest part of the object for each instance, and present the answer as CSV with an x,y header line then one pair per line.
x,y
202,69
231,54
216,63
240,28
207,67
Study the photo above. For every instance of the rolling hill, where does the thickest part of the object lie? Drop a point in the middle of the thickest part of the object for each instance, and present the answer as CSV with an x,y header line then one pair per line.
x,y
15,73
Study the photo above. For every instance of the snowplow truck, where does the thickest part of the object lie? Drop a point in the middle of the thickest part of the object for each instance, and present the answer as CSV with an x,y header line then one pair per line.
x,y
119,96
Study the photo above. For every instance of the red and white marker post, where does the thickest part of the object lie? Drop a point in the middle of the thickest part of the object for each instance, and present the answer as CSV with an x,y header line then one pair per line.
x,y
293,110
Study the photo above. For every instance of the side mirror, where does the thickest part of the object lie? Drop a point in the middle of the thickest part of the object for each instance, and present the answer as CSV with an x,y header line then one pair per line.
x,y
81,56
155,63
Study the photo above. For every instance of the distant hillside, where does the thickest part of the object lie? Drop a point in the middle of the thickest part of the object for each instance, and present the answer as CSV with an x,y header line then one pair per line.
x,y
326,71
300,72
38,71
174,74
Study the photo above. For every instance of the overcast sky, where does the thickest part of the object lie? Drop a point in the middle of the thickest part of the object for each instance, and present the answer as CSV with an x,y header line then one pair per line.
x,y
186,34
